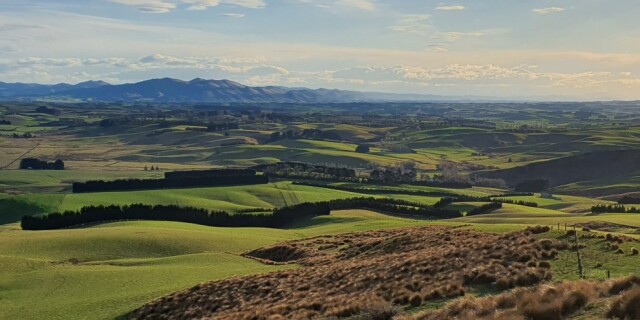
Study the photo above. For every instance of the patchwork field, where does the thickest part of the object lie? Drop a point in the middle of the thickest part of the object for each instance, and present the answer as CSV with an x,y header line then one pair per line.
x,y
400,264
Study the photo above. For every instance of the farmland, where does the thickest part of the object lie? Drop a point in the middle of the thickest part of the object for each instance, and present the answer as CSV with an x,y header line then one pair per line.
x,y
110,269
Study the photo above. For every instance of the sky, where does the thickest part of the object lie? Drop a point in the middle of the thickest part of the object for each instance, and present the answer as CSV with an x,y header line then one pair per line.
x,y
577,49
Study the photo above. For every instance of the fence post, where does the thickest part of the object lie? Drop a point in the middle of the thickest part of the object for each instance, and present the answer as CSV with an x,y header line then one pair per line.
x,y
580,267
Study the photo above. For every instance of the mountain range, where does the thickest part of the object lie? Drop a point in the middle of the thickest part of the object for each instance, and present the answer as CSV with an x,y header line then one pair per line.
x,y
202,91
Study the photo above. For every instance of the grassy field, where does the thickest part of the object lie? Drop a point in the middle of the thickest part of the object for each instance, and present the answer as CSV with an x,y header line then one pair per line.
x,y
105,271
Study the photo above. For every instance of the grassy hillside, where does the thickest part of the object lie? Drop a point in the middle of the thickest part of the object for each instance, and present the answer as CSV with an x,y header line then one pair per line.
x,y
105,271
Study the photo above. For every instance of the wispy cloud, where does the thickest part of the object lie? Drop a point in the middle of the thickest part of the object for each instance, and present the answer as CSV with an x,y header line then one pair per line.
x,y
450,8
164,6
364,5
232,15
151,6
548,10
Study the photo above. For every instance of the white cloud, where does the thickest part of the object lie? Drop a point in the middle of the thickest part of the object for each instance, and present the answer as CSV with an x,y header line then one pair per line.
x,y
151,6
548,10
450,8
364,5
232,15
164,6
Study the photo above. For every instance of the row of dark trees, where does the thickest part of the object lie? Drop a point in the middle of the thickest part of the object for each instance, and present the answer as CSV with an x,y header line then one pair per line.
x,y
152,184
380,190
37,164
94,214
25,135
463,198
5,122
278,218
301,170
213,173
518,202
614,208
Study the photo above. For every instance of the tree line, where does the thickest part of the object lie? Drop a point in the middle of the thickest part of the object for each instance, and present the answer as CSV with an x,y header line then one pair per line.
x,y
94,214
277,218
37,164
614,208
300,170
379,190
517,202
153,184
5,122
464,198
213,173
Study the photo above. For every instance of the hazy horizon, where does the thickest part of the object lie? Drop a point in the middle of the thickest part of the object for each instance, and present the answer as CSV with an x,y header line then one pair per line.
x,y
581,50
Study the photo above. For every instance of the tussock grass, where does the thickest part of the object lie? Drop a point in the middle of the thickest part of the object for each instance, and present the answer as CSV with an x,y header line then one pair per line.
x,y
546,302
345,275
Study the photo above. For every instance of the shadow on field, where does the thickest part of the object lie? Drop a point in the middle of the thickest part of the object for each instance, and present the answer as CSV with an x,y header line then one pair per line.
x,y
320,221
12,210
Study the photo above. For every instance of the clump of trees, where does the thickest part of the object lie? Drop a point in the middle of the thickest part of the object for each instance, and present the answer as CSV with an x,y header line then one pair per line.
x,y
108,123
26,135
37,164
404,173
47,110
363,148
306,171
5,122
614,208
535,185
93,214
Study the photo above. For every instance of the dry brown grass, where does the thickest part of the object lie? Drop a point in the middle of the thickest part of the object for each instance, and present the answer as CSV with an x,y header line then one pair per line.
x,y
546,302
362,273
627,306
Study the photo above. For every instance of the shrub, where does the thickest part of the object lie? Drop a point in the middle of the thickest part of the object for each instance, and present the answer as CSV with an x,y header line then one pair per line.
x,y
415,301
363,148
623,284
627,306
538,229
634,252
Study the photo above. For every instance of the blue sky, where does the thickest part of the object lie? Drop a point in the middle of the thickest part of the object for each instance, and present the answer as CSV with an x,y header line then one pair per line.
x,y
582,49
